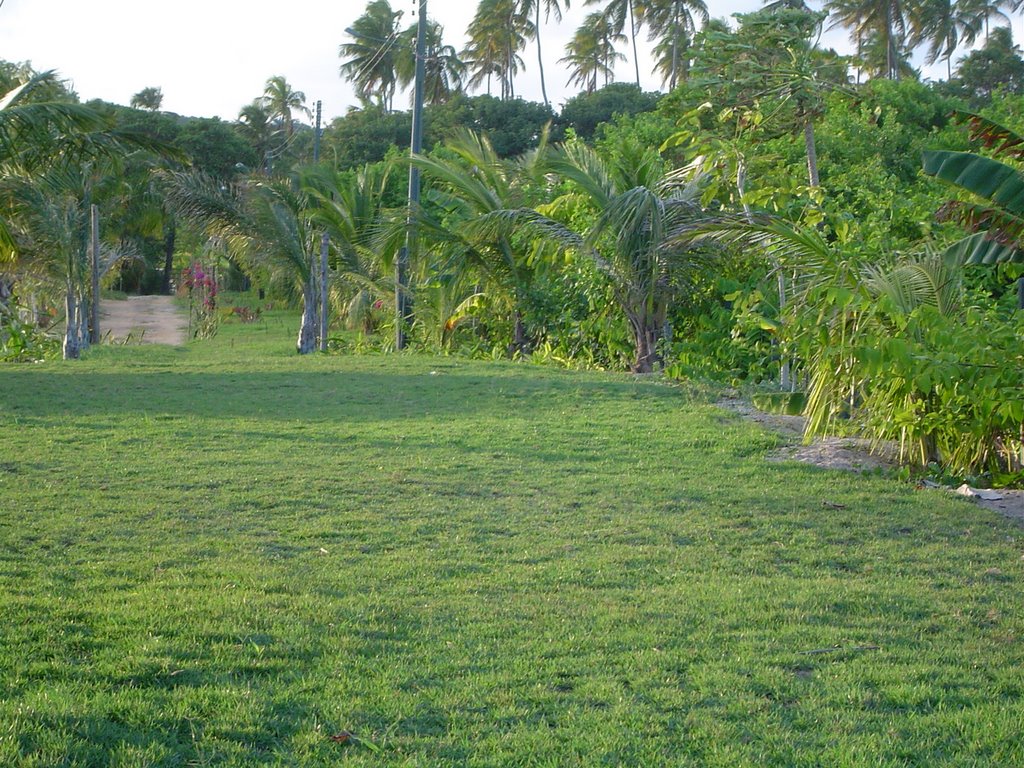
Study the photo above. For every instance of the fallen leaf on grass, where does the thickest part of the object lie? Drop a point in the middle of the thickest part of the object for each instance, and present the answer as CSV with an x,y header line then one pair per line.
x,y
832,505
347,737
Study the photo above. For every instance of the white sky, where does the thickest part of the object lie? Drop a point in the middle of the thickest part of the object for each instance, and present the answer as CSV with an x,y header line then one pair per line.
x,y
211,57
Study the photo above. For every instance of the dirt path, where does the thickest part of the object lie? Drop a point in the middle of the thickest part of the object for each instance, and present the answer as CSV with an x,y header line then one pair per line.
x,y
853,454
148,319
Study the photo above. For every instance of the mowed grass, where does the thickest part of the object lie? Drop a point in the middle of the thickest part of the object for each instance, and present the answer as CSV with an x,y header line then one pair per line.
x,y
225,555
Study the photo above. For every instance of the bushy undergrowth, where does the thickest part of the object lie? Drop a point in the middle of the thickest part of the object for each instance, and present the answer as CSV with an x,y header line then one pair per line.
x,y
23,342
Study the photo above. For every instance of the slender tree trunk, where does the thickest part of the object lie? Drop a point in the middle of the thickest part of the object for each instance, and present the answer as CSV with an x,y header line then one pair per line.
x,y
632,34
890,45
741,187
675,55
812,152
307,331
94,315
71,349
170,233
324,315
540,58
785,376
519,343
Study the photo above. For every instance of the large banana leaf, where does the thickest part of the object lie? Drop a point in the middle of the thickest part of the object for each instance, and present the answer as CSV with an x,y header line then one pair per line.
x,y
979,248
990,179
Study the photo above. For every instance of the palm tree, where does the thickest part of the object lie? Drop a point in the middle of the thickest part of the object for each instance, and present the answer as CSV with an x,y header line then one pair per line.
x,y
496,35
257,128
348,207
641,213
267,224
983,10
470,183
551,8
943,25
50,153
148,98
369,60
591,52
672,23
642,209
617,11
444,71
881,22
282,102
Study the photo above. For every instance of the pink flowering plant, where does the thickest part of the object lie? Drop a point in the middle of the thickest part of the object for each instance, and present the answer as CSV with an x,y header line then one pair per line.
x,y
202,301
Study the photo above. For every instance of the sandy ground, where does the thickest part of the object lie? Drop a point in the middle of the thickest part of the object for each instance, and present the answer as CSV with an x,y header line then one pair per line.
x,y
147,319
852,454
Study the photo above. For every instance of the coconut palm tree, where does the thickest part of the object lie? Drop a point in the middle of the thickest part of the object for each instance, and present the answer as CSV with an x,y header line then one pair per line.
x,y
282,102
369,60
981,11
550,8
468,183
640,213
943,25
444,72
591,52
497,33
257,128
882,23
671,25
348,207
617,12
267,223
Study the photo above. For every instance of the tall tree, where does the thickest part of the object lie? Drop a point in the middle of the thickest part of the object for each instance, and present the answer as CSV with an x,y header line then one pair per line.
x,y
881,21
148,98
444,72
257,128
943,26
591,53
369,60
982,11
672,25
282,102
550,8
996,66
497,34
618,12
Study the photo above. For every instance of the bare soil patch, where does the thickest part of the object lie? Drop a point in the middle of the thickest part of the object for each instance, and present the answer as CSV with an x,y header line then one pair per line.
x,y
851,454
145,319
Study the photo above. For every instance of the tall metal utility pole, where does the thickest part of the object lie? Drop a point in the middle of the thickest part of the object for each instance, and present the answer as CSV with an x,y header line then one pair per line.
x,y
403,312
323,242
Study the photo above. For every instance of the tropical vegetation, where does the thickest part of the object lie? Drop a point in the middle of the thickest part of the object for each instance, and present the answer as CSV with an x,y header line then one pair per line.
x,y
751,225
531,537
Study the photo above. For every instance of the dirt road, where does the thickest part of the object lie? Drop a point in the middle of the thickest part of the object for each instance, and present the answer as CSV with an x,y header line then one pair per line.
x,y
149,320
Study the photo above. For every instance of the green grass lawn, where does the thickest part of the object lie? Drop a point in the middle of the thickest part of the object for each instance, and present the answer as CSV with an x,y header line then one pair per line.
x,y
226,554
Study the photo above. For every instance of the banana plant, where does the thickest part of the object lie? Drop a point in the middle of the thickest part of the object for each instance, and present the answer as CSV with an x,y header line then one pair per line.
x,y
995,215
